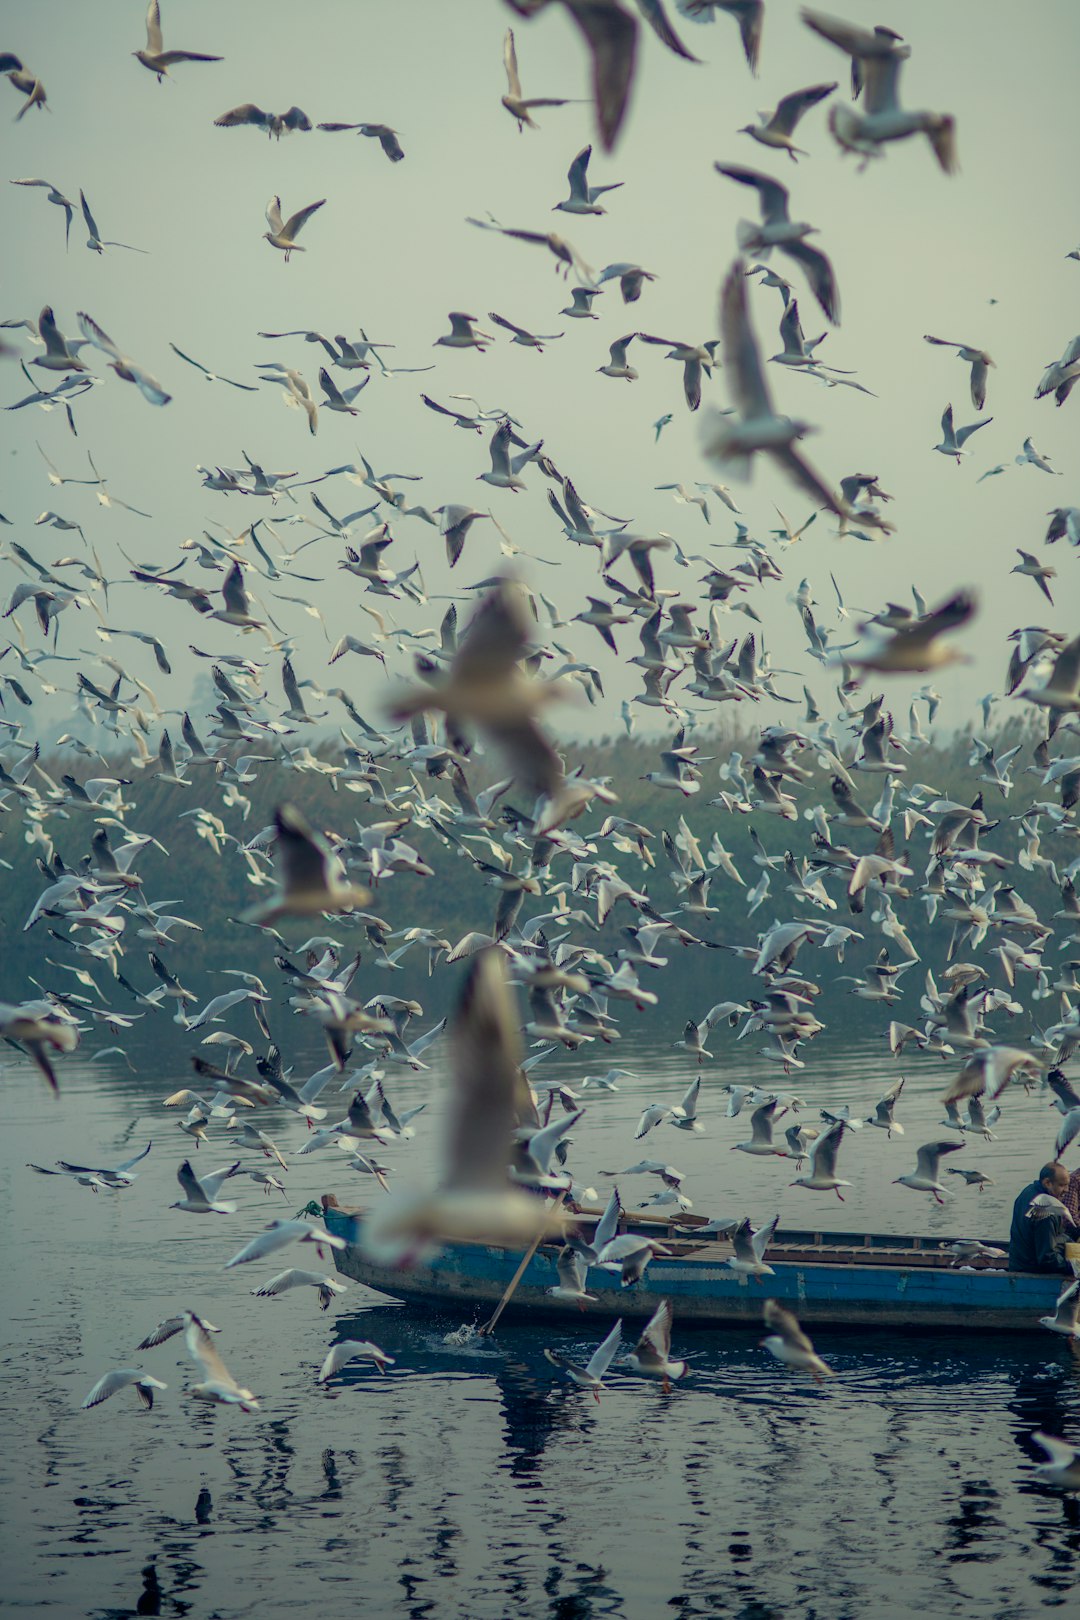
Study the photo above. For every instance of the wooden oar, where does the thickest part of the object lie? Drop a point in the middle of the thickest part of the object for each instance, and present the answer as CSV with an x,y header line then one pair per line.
x,y
489,1326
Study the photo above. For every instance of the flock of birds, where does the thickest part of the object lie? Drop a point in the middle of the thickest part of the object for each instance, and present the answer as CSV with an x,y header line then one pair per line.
x,y
548,838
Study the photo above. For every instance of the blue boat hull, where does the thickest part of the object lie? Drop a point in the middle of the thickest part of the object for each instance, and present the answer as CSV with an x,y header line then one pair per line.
x,y
705,1291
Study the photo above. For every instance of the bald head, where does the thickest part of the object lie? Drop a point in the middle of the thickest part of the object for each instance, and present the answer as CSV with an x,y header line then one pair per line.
x,y
1054,1179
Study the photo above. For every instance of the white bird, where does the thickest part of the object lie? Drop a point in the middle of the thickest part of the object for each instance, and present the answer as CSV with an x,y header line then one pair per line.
x,y
201,1193
281,1233
353,1350
591,1376
877,57
750,1246
1066,1311
823,1177
583,198
979,361
325,1286
464,334
1029,456
789,1344
173,1325
126,368
776,128
123,1378
474,1198
572,1271
1063,1465
925,1177
309,883
219,1386
96,243
953,439
155,57
514,102
283,234
651,1356
735,441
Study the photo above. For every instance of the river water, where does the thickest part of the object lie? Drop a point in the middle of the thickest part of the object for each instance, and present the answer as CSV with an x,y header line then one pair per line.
x,y
473,1482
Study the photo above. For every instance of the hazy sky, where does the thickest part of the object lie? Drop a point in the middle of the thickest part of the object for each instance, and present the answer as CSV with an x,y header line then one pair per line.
x,y
980,257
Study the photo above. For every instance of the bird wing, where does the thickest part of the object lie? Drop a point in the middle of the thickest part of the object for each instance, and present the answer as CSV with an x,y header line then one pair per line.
x,y
763,1237
790,108
510,63
604,1354
93,333
202,1349
928,1155
571,1269
786,1324
246,114
273,219
772,196
819,273
1060,1454
88,216
190,1185
741,356
154,40
296,222
577,175
489,1088
654,1346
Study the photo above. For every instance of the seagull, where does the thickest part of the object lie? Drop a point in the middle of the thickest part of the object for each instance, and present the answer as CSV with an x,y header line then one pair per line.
x,y
201,1193
651,1356
281,1233
954,440
219,1386
878,55
757,427
1035,458
213,376
1063,1465
617,365
474,1198
823,1177
629,1255
123,1378
173,1325
516,105
462,336
124,367
309,883
591,1376
925,1177
977,359
95,241
325,1286
583,198
777,127
917,647
353,1350
528,340
883,1111
275,124
778,230
572,1271
386,137
761,1126
56,196
748,14
1066,1310
157,59
1062,690
789,1344
283,235
750,1246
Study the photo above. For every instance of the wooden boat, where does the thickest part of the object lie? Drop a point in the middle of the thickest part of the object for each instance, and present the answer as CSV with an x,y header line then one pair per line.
x,y
827,1278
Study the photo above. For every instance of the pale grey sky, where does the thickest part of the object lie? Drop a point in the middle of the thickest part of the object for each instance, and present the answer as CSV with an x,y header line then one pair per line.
x,y
979,257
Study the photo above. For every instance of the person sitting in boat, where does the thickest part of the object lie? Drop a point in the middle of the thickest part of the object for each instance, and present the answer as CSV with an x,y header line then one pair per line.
x,y
1039,1244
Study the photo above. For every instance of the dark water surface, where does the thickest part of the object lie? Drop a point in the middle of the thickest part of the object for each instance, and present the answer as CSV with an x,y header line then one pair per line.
x,y
472,1482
